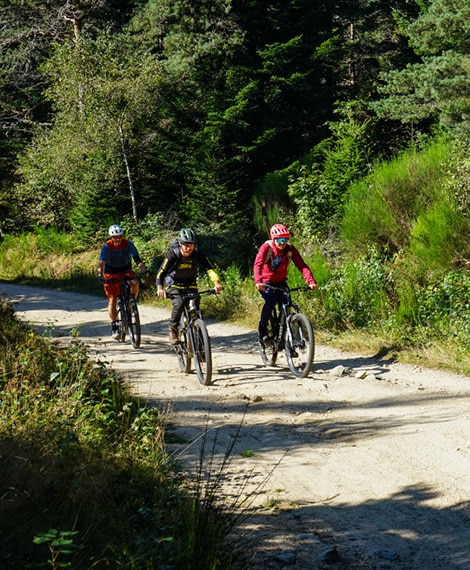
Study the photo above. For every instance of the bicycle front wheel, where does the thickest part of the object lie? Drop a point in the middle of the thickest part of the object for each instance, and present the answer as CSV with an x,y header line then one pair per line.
x,y
300,351
134,323
202,352
121,320
181,349
268,349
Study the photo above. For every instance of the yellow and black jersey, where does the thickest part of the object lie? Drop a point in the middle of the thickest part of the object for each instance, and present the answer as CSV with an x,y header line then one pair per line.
x,y
181,272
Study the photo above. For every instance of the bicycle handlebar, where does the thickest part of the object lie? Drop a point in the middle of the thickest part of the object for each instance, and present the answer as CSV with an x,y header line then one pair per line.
x,y
119,279
286,288
195,294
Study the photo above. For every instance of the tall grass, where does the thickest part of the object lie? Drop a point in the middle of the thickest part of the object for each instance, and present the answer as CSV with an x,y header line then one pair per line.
x,y
382,209
86,481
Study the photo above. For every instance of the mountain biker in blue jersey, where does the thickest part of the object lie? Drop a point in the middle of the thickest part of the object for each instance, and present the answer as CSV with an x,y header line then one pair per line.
x,y
116,262
178,272
270,268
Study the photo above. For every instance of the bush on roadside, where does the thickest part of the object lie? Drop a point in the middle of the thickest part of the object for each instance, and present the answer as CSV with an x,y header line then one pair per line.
x,y
85,463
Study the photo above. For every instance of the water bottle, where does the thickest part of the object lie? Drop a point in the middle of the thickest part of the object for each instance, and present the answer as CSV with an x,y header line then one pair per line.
x,y
192,308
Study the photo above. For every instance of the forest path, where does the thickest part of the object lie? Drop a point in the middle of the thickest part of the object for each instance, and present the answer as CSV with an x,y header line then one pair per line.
x,y
364,464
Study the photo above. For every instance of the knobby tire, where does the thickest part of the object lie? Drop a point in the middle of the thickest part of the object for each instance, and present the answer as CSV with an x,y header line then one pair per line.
x,y
181,349
300,352
134,323
121,320
269,349
202,352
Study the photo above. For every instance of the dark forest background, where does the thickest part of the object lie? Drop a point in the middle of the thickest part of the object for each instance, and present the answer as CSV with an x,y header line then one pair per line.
x,y
347,121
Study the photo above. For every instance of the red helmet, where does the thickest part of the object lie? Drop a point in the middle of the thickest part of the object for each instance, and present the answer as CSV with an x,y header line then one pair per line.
x,y
279,231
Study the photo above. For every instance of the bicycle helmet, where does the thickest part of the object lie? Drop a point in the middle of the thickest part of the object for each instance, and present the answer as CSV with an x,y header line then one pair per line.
x,y
187,235
279,231
115,230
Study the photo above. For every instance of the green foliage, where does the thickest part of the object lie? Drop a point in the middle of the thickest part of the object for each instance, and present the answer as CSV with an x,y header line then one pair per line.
x,y
337,162
381,209
444,306
52,241
458,178
438,86
271,201
77,452
78,168
230,304
440,238
358,293
59,543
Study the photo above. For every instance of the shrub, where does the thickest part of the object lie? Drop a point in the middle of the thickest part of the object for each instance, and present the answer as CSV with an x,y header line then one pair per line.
x,y
444,306
382,209
357,293
440,238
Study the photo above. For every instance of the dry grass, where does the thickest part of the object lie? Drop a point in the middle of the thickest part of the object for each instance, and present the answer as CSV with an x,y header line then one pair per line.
x,y
440,356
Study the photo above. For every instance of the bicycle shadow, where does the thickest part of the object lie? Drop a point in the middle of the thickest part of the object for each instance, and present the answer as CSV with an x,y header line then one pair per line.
x,y
327,360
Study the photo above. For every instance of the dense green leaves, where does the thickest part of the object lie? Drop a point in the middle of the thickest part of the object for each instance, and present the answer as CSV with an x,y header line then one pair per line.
x,y
190,109
409,206
337,162
438,87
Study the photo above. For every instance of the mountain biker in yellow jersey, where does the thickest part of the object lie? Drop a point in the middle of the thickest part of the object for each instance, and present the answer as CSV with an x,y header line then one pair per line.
x,y
116,262
178,272
270,268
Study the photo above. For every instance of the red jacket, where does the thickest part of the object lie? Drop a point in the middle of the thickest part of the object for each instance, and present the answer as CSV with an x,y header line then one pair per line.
x,y
271,264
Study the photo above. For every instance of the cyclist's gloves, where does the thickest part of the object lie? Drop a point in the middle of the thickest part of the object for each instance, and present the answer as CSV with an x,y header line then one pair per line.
x,y
101,279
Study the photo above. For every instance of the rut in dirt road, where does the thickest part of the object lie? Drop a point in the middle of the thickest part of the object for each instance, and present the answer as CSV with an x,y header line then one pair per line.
x,y
363,464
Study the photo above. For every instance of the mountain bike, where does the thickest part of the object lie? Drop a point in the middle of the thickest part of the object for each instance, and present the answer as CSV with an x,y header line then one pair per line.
x,y
194,339
289,330
127,312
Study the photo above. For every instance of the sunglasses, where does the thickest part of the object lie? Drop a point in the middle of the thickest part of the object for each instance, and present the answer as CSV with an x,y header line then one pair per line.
x,y
281,240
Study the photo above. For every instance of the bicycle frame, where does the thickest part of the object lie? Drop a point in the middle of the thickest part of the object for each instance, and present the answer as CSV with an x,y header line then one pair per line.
x,y
281,313
194,339
290,330
190,314
127,313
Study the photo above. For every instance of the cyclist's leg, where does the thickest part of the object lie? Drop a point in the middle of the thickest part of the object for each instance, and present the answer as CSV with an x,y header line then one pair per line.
x,y
269,304
134,283
112,308
112,291
176,312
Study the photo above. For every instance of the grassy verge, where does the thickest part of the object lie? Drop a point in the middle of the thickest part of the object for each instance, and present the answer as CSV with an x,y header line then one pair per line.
x,y
86,482
356,310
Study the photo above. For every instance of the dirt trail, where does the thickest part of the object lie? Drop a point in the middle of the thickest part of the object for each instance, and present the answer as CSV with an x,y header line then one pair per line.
x,y
365,463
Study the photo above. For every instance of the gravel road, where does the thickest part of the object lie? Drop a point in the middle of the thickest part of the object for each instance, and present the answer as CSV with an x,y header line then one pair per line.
x,y
364,464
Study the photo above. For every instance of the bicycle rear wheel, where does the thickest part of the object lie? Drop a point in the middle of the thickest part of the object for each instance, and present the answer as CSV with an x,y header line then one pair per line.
x,y
134,323
181,349
300,351
121,320
202,352
268,349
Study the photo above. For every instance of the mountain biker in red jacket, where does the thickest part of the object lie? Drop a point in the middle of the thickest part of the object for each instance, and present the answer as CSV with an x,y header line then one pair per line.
x,y
270,268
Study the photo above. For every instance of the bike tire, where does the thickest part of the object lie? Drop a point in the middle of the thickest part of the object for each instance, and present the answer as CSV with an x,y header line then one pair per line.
x,y
134,323
300,352
202,352
181,349
269,349
121,320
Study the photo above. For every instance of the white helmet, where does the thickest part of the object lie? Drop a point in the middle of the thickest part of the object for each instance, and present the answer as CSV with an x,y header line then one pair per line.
x,y
115,230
